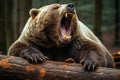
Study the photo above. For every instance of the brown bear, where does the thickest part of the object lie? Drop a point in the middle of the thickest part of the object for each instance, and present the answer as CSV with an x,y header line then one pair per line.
x,y
55,32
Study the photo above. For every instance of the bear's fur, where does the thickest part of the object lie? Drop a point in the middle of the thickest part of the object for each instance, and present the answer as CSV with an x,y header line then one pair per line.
x,y
54,32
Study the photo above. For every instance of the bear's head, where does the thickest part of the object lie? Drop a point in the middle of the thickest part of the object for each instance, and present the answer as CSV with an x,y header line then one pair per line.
x,y
52,25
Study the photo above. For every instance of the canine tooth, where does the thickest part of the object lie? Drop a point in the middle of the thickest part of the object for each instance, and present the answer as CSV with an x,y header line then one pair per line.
x,y
67,37
66,15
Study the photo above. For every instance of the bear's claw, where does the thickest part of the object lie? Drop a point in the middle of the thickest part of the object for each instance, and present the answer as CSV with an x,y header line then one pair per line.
x,y
89,65
35,58
33,55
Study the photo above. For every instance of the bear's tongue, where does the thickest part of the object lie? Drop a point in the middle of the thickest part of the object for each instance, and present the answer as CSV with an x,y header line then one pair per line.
x,y
65,26
65,34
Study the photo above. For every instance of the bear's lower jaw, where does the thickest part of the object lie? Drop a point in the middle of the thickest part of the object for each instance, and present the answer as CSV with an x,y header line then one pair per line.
x,y
65,40
65,35
65,27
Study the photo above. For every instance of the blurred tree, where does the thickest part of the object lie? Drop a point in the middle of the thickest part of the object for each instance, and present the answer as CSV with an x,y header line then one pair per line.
x,y
27,6
17,28
8,22
13,32
2,27
97,18
21,10
117,27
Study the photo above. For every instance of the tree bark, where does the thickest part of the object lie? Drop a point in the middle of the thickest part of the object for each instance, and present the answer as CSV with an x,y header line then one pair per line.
x,y
8,22
97,18
15,68
27,6
117,26
2,27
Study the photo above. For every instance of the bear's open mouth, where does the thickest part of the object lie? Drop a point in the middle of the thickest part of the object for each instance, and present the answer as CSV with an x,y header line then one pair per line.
x,y
65,26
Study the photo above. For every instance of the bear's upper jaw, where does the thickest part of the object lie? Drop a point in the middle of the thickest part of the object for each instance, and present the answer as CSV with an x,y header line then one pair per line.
x,y
66,26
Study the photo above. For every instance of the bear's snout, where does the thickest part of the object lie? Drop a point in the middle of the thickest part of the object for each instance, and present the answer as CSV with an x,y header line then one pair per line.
x,y
70,7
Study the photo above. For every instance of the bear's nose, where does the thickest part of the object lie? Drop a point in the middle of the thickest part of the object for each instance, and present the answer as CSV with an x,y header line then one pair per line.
x,y
70,7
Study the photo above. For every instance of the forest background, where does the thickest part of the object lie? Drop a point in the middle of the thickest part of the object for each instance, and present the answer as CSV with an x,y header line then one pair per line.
x,y
101,16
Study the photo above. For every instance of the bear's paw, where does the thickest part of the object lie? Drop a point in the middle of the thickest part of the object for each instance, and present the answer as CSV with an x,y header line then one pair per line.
x,y
89,65
33,55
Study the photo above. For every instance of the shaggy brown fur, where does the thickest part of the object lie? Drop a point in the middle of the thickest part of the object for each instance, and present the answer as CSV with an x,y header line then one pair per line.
x,y
51,33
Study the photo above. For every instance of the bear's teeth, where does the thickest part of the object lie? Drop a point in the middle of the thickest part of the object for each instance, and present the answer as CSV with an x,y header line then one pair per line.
x,y
66,14
67,37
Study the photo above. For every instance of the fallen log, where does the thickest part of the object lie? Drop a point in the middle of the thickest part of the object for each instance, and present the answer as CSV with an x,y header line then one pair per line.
x,y
15,68
116,57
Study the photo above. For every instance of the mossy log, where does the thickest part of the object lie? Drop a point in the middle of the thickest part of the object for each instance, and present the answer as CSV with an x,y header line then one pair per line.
x,y
15,68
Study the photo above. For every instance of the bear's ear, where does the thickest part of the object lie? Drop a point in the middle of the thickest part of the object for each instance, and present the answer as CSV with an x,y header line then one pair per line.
x,y
34,12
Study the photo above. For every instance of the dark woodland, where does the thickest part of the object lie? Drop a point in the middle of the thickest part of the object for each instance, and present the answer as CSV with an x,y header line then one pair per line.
x,y
102,16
